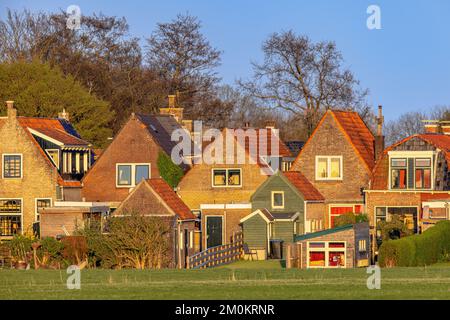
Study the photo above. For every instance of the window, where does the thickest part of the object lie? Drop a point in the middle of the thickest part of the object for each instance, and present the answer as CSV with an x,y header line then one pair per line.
x,y
42,203
124,175
10,217
423,173
54,156
12,166
129,175
326,254
226,178
362,246
329,168
398,173
277,199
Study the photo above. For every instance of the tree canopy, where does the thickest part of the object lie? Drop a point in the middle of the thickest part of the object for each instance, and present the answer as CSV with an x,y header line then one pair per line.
x,y
42,91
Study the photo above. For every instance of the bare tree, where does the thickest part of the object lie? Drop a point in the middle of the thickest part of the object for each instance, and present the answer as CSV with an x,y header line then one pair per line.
x,y
303,78
181,54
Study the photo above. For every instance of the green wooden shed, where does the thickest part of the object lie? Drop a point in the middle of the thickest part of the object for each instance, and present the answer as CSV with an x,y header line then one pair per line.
x,y
262,228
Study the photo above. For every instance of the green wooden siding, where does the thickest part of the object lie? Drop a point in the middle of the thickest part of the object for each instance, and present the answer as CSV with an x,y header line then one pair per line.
x,y
293,202
255,232
283,230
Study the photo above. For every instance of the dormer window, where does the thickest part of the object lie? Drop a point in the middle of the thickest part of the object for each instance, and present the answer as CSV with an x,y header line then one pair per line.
x,y
411,170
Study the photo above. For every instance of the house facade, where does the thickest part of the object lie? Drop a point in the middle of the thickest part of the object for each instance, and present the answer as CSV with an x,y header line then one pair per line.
x,y
411,181
219,192
42,161
154,198
338,159
131,157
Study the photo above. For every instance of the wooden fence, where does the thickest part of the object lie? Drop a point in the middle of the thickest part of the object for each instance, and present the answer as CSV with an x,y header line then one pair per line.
x,y
216,256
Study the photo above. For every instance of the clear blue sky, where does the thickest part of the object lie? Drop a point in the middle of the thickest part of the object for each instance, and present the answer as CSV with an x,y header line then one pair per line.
x,y
405,65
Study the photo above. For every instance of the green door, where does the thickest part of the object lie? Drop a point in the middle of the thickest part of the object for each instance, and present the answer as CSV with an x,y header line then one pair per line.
x,y
213,231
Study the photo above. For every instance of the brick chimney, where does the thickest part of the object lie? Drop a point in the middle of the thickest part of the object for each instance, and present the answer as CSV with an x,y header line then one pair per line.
x,y
270,124
64,115
432,126
379,138
10,110
172,109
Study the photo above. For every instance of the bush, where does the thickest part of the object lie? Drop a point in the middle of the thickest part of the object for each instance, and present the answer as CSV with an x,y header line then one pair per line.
x,y
168,170
350,218
20,247
418,250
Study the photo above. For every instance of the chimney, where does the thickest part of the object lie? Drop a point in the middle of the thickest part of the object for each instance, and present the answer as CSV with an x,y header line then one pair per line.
x,y
172,109
270,124
10,110
246,124
445,127
432,126
379,138
172,100
64,115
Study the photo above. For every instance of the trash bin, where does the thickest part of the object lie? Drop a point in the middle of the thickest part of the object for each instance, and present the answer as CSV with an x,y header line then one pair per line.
x,y
276,249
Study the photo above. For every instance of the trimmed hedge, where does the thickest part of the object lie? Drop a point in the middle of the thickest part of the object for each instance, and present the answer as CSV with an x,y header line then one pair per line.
x,y
417,250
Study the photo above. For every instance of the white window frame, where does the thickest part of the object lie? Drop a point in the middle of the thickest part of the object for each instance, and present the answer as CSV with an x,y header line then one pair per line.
x,y
226,178
36,213
133,173
21,213
3,166
327,251
341,168
273,203
51,159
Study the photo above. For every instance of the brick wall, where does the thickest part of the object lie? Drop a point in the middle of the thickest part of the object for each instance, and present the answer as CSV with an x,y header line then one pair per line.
x,y
329,140
133,144
39,176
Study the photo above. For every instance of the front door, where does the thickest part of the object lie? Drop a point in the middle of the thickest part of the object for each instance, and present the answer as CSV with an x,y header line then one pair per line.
x,y
213,231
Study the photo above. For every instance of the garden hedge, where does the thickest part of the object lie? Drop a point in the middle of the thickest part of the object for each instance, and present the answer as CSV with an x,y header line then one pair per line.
x,y
418,250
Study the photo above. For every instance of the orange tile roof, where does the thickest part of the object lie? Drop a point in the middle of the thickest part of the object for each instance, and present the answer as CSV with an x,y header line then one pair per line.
x,y
380,174
358,134
304,186
171,198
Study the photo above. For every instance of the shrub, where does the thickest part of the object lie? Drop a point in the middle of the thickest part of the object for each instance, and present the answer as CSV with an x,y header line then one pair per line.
x,y
168,170
20,247
50,252
418,250
350,218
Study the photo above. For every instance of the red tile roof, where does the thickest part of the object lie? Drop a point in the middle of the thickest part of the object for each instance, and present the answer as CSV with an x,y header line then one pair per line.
x,y
171,198
358,133
304,186
380,174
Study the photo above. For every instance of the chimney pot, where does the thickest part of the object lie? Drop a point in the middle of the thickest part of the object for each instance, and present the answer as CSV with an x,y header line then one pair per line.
x,y
270,124
64,115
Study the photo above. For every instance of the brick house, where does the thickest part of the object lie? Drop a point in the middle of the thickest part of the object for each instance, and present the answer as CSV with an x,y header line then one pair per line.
x,y
155,198
338,159
411,180
219,193
131,157
42,161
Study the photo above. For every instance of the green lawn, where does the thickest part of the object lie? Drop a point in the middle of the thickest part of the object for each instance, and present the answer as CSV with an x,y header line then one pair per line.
x,y
242,280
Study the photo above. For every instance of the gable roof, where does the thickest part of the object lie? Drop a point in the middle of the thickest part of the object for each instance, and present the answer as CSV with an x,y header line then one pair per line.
x,y
171,198
356,132
380,174
299,181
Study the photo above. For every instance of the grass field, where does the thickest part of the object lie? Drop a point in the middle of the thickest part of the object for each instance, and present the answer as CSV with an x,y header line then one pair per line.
x,y
242,280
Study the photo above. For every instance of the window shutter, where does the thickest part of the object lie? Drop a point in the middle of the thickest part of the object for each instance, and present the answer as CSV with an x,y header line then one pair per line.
x,y
410,173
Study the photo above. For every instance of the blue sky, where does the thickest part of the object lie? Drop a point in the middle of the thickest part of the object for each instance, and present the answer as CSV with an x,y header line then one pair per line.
x,y
405,65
